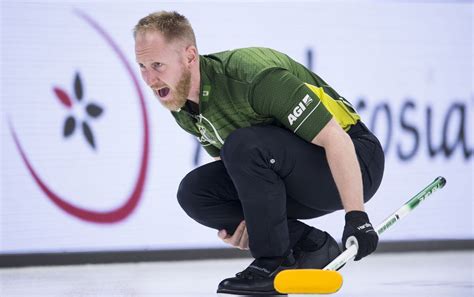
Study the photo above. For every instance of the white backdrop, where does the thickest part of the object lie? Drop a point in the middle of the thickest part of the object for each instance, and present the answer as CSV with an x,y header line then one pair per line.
x,y
407,66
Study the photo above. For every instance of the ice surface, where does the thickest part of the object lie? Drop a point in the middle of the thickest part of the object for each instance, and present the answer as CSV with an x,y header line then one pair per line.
x,y
403,274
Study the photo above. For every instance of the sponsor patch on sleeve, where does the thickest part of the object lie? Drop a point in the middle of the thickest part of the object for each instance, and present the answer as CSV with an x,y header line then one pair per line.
x,y
302,111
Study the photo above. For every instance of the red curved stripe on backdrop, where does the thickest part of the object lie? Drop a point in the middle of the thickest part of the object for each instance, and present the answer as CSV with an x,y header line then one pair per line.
x,y
127,208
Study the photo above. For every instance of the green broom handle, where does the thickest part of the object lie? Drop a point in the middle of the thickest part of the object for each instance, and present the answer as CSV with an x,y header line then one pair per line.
x,y
411,204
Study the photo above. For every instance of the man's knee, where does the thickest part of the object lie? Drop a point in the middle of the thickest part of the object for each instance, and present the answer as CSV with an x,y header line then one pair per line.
x,y
186,193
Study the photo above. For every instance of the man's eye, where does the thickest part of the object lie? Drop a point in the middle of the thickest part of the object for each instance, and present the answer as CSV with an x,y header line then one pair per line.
x,y
156,66
141,66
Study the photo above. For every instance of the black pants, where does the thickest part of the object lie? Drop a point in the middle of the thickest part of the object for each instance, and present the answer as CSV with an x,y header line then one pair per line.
x,y
271,177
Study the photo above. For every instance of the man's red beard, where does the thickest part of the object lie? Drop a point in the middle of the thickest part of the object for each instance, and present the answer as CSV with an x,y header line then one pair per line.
x,y
179,94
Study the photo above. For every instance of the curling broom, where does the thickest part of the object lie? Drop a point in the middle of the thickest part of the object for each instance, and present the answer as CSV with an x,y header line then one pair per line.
x,y
328,280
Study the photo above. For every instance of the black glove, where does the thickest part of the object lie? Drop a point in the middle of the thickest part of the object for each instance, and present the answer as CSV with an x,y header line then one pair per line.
x,y
359,226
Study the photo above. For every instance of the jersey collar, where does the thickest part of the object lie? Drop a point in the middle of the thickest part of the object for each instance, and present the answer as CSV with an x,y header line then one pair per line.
x,y
205,88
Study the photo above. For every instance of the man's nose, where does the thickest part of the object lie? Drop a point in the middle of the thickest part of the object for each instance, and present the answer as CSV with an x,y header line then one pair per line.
x,y
150,78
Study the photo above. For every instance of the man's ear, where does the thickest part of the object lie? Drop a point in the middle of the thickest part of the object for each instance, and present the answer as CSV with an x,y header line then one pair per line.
x,y
191,55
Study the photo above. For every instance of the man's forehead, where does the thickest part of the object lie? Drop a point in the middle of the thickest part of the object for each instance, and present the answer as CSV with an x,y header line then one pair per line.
x,y
149,38
154,41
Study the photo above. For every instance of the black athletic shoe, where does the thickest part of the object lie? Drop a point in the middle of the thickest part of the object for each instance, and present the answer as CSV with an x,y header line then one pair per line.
x,y
257,279
314,251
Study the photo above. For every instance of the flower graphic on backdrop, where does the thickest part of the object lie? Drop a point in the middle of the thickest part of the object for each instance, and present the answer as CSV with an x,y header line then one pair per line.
x,y
80,115
92,111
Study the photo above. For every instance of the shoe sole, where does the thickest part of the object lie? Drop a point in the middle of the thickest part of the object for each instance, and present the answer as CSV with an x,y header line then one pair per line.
x,y
225,293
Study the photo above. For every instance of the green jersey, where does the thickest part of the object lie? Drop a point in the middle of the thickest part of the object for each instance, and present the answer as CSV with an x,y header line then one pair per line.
x,y
255,86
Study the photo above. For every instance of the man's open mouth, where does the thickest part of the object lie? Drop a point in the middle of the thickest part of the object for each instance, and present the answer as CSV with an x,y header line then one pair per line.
x,y
163,92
